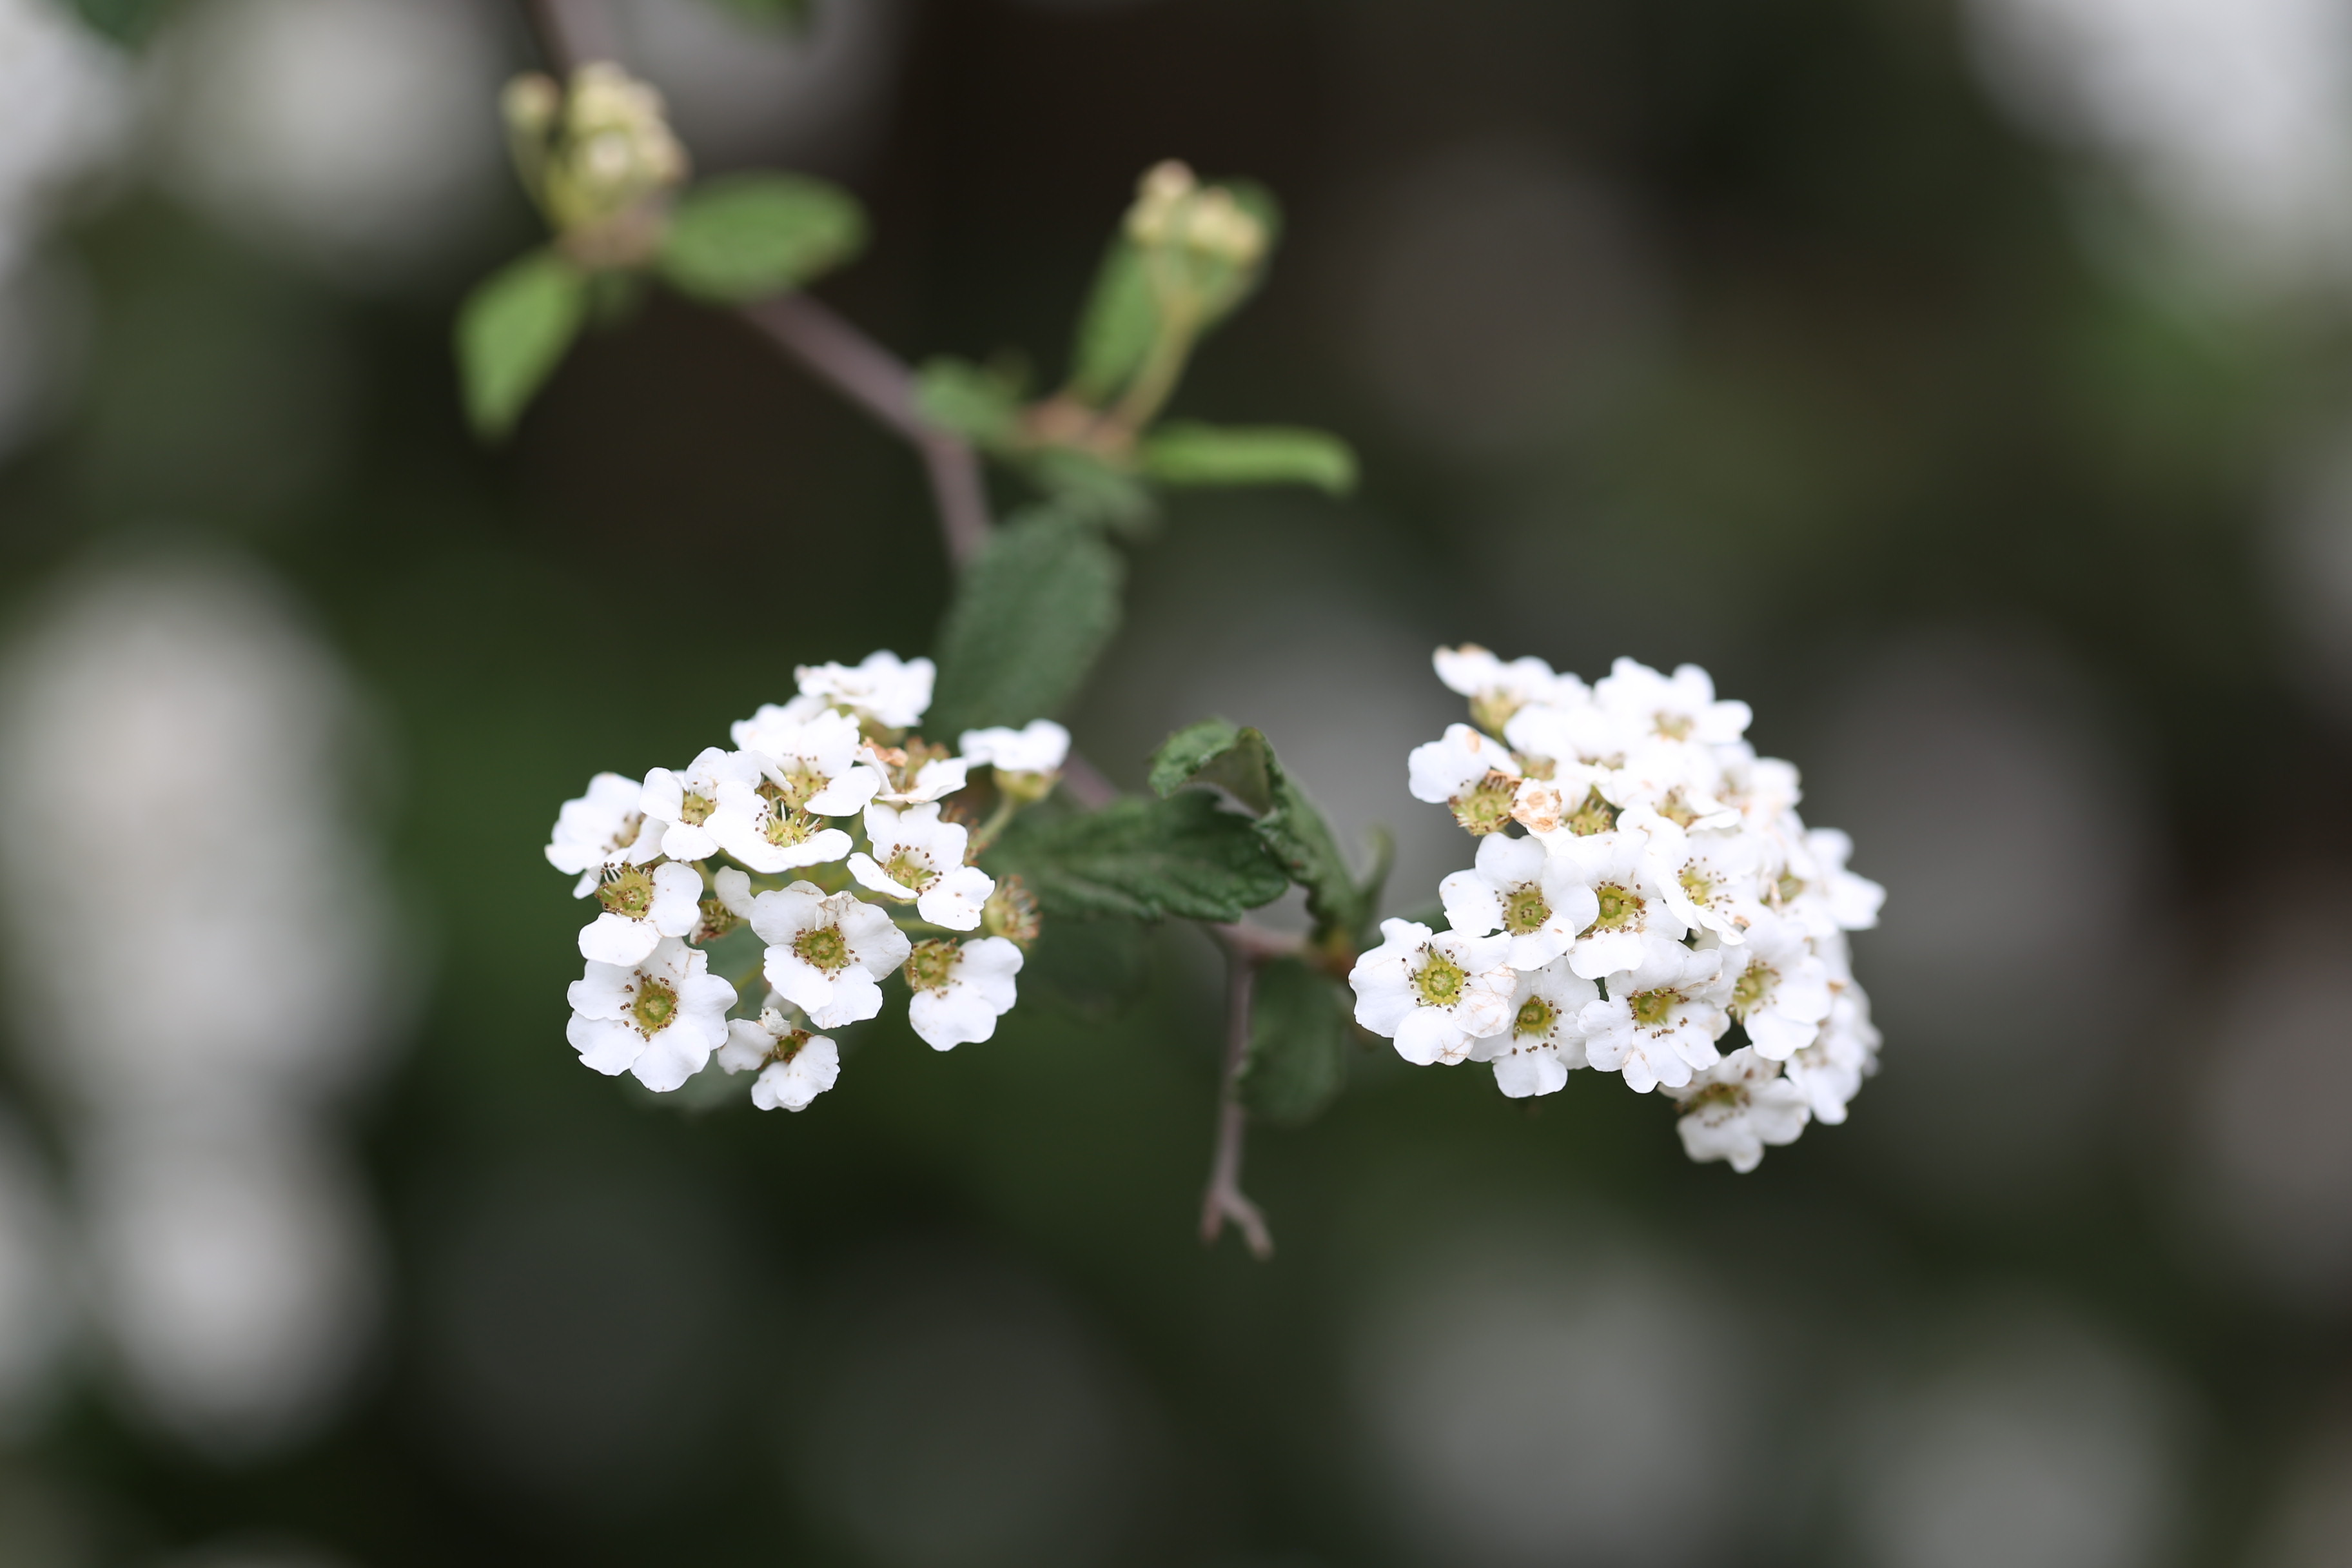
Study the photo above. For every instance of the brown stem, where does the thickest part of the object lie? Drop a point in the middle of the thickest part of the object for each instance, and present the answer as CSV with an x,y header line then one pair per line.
x,y
570,33
1224,1199
868,375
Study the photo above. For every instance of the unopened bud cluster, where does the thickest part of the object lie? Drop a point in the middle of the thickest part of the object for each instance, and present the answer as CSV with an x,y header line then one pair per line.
x,y
1645,900
824,831
598,157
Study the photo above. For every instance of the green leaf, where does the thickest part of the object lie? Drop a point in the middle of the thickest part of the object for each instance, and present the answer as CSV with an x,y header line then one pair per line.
x,y
1242,762
976,402
128,22
512,332
1189,454
1298,1043
1085,487
738,238
783,13
1142,860
1026,623
1116,330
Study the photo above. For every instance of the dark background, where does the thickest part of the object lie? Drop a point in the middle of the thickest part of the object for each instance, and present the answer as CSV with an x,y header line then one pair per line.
x,y
1753,332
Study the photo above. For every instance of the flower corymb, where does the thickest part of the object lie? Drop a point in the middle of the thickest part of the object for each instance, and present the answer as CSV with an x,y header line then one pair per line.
x,y
1645,900
822,831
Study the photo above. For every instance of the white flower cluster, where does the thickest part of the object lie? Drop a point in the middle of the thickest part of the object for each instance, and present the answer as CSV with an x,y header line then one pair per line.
x,y
1644,895
824,831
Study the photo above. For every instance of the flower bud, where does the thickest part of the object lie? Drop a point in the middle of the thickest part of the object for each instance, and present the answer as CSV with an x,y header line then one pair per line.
x,y
1172,208
598,158
1011,913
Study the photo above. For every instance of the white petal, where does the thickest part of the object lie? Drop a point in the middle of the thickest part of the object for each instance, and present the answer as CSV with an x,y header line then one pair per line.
x,y
618,940
957,900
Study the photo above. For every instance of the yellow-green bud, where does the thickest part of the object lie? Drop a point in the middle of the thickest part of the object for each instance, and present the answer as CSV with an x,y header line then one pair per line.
x,y
598,157
1172,208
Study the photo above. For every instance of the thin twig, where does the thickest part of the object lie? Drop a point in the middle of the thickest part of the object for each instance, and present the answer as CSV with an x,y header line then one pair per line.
x,y
868,375
570,33
1224,1199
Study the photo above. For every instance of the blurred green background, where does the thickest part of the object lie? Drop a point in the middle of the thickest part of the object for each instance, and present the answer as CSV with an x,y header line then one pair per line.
x,y
1963,381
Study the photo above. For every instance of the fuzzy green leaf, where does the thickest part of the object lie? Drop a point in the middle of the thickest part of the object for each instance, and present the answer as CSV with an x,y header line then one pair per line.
x,y
512,332
1026,623
128,22
974,402
1215,751
1116,330
738,238
1189,454
1142,860
1298,1043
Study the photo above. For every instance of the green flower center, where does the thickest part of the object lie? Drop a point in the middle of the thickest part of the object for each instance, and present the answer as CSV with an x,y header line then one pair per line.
x,y
629,893
1525,911
801,784
1621,907
1753,984
1440,981
1651,1008
1595,816
930,964
1487,809
1791,887
1715,1094
1697,884
1536,1017
626,833
1678,809
825,948
786,825
909,870
1672,726
656,1005
694,809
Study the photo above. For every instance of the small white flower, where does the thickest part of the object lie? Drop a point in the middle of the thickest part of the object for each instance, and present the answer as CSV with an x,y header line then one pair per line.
x,y
960,992
1631,919
1711,881
1680,708
659,1018
1733,1109
640,910
1040,748
826,956
1441,772
1434,994
1569,732
1661,1019
756,824
1851,902
1544,1043
890,691
935,778
1497,690
686,801
1677,782
1781,992
1517,888
1829,1071
794,1065
1763,790
917,856
606,827
818,764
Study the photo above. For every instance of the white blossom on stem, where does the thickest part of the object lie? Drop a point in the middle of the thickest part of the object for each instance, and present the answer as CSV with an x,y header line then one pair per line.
x,y
934,778
606,827
1544,1041
917,856
1040,747
960,991
1434,994
1710,880
794,1065
659,1017
1736,1109
818,764
1498,689
889,691
827,954
1632,921
641,907
1681,706
1661,1019
757,824
686,801
1517,888
1780,992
